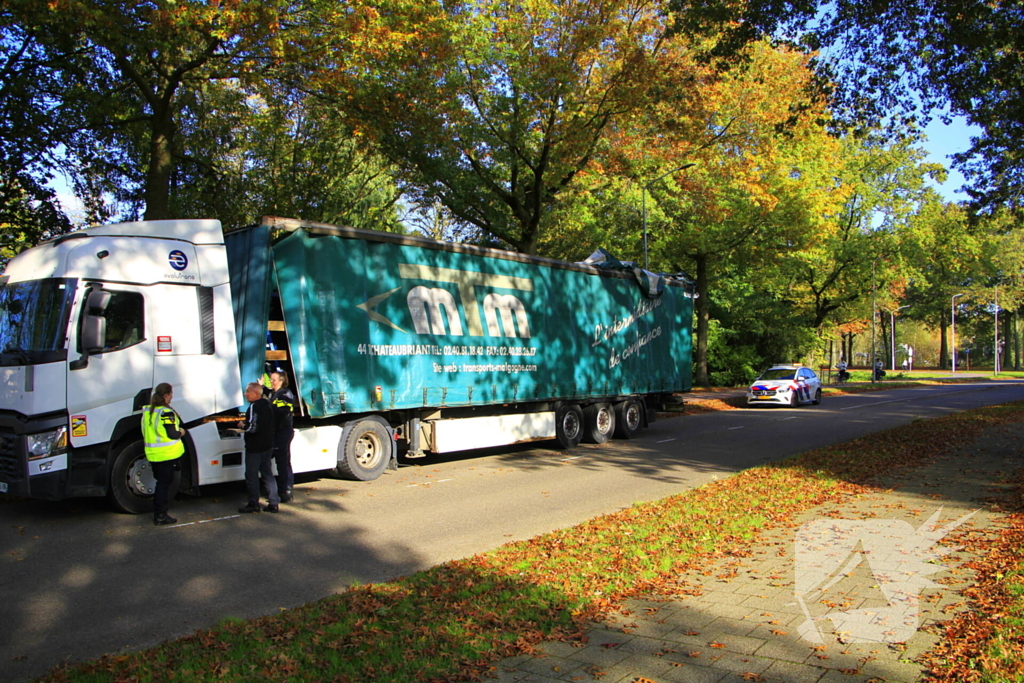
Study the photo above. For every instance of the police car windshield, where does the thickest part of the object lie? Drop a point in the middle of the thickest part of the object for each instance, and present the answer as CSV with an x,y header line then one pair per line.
x,y
779,373
33,321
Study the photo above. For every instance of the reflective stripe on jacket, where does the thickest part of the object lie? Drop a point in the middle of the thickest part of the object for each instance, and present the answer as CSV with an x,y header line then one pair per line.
x,y
158,445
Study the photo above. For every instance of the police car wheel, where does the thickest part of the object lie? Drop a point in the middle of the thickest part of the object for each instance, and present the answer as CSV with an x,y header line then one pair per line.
x,y
817,397
132,483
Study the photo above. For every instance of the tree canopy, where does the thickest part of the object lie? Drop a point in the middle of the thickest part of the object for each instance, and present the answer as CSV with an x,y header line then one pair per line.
x,y
768,148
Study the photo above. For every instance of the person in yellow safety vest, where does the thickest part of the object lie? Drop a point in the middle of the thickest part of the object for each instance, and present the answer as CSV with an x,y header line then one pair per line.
x,y
162,436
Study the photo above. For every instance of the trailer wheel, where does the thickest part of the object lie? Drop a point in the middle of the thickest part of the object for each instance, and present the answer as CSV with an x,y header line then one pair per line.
x,y
569,426
598,423
365,451
132,483
629,419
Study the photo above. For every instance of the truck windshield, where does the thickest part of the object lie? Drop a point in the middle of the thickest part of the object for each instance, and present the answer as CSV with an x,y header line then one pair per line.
x,y
33,321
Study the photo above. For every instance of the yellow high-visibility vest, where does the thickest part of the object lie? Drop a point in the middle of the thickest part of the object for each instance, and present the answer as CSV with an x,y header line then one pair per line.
x,y
158,445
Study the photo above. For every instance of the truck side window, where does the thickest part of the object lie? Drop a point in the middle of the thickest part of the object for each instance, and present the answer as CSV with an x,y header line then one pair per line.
x,y
124,316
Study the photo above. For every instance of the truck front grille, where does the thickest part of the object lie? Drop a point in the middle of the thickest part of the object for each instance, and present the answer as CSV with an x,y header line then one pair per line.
x,y
10,467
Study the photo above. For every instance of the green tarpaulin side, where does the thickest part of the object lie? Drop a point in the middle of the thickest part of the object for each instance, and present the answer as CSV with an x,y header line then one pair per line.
x,y
441,328
249,266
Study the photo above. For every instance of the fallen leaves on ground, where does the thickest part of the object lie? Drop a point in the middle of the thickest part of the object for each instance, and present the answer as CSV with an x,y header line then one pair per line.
x,y
454,621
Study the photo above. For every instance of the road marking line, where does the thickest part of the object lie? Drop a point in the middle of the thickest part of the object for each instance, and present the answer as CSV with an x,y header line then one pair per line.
x,y
665,441
911,398
734,428
202,521
217,519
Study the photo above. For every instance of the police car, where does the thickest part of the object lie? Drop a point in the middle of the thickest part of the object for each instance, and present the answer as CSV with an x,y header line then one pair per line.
x,y
786,384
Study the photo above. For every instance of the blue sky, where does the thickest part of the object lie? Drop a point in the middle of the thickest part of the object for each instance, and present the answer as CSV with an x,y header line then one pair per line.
x,y
944,141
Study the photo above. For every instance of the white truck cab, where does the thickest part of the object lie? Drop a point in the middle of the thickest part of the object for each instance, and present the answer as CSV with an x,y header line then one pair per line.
x,y
90,322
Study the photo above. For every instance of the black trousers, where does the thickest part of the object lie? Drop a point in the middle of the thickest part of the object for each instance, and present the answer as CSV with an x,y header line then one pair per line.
x,y
258,465
283,459
164,473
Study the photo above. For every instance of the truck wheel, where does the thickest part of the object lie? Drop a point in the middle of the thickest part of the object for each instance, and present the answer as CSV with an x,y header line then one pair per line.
x,y
365,451
598,423
132,483
629,419
569,426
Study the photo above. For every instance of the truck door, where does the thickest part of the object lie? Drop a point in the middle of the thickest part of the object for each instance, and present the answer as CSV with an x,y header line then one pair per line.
x,y
110,360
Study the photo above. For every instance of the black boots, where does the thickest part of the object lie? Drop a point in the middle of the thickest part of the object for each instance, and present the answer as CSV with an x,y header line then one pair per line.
x,y
163,519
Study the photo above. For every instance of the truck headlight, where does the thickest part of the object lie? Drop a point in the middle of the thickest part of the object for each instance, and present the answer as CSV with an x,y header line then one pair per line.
x,y
46,444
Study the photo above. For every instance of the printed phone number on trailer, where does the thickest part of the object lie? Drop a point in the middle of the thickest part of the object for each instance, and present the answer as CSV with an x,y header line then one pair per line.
x,y
434,350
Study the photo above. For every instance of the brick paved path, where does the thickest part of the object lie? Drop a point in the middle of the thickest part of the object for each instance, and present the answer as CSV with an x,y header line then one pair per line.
x,y
743,622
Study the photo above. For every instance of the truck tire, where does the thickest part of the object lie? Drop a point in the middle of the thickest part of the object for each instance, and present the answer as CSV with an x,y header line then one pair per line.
x,y
629,418
598,423
131,481
569,426
365,450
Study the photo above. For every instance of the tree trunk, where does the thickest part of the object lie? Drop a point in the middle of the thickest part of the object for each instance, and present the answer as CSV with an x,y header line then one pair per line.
x,y
943,348
157,193
1015,331
703,321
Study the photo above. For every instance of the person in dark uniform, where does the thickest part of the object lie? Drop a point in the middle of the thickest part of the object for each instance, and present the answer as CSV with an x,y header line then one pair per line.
x,y
283,401
258,430
162,435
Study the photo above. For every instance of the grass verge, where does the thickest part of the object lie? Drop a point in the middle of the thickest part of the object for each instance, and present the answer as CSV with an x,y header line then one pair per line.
x,y
452,622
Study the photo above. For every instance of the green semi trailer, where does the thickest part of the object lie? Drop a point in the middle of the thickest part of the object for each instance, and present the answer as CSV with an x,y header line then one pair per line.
x,y
395,346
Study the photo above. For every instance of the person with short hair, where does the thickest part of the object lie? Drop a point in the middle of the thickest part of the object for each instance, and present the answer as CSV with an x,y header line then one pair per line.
x,y
162,436
283,401
258,431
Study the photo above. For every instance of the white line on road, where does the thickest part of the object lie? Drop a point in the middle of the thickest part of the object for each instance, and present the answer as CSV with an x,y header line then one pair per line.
x,y
429,483
664,441
735,428
203,521
911,398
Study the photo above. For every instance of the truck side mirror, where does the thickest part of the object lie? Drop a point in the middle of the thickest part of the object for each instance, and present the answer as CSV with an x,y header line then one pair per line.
x,y
97,302
93,330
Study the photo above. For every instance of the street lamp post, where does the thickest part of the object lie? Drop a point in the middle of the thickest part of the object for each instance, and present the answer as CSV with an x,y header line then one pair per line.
x,y
996,347
952,314
643,202
892,333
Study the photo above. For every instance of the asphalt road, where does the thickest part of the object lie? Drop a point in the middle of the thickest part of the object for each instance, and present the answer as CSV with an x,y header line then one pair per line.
x,y
78,581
